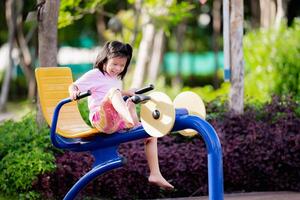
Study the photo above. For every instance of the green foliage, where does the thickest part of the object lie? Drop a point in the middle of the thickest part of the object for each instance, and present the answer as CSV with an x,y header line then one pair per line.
x,y
259,71
272,62
5,197
167,14
72,10
286,60
84,110
171,91
1,76
208,93
125,17
24,154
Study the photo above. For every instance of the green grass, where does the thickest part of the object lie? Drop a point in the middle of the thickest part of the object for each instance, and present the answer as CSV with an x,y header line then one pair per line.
x,y
3,197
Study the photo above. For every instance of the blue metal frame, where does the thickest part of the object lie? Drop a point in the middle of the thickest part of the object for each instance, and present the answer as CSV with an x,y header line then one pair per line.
x,y
104,148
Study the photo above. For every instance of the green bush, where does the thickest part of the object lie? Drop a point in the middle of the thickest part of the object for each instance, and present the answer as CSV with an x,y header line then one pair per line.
x,y
24,154
259,71
84,110
208,93
286,60
272,62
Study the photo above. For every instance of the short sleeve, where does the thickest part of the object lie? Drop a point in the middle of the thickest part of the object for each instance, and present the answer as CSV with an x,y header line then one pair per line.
x,y
86,81
120,84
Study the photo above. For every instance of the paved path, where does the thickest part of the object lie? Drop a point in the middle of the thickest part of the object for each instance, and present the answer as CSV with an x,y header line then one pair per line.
x,y
251,196
6,116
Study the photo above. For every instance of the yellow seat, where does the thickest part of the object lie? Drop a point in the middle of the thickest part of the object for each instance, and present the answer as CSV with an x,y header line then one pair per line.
x,y
53,83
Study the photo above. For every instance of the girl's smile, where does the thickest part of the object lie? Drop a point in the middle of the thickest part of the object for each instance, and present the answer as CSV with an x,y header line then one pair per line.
x,y
115,66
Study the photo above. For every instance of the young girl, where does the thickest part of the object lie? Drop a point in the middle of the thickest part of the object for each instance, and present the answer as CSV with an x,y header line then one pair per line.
x,y
108,111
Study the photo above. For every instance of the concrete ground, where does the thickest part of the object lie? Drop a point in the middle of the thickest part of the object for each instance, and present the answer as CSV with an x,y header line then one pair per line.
x,y
6,116
251,196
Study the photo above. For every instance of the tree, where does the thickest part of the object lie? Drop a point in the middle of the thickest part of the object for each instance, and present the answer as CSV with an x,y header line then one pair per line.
x,y
17,41
159,17
47,34
11,18
72,10
267,13
233,51
145,48
25,56
216,8
157,54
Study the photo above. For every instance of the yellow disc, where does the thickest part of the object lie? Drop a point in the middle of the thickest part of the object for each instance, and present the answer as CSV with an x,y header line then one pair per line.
x,y
162,105
195,106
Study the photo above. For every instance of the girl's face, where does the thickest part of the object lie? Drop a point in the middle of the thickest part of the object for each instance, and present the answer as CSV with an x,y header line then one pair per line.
x,y
115,66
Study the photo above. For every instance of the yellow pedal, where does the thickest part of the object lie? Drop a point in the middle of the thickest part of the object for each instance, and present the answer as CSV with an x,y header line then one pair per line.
x,y
195,106
158,114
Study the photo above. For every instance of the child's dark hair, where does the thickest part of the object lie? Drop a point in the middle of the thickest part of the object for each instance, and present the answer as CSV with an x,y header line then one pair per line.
x,y
113,49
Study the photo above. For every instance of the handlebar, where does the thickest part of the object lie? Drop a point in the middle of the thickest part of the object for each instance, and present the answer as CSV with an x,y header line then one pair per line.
x,y
145,89
83,95
138,98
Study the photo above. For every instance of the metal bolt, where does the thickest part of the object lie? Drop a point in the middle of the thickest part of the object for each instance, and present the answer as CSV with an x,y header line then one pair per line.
x,y
156,114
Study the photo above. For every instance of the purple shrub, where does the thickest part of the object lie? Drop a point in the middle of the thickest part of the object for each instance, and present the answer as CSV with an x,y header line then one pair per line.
x,y
70,167
261,148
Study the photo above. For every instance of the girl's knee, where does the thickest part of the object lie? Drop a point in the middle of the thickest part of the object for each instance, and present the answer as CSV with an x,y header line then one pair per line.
x,y
150,140
114,92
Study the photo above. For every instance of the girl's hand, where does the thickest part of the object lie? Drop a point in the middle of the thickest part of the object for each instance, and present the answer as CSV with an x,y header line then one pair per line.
x,y
73,91
129,92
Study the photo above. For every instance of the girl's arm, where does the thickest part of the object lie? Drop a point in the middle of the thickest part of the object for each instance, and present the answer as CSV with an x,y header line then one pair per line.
x,y
73,91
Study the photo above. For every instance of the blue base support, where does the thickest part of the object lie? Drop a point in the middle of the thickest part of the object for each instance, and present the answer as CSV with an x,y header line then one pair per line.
x,y
214,150
105,160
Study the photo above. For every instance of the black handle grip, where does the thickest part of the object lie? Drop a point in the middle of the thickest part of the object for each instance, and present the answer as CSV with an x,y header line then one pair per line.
x,y
145,89
83,95
139,98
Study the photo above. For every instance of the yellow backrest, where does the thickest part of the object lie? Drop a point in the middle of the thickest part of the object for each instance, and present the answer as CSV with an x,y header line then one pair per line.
x,y
53,83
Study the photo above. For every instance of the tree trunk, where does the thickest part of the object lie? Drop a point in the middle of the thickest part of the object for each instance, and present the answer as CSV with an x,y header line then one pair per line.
x,y
236,103
180,31
143,55
279,13
100,24
216,33
47,34
11,23
25,57
157,55
255,13
267,13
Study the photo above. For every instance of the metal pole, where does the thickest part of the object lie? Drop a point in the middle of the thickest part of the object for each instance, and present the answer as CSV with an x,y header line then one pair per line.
x,y
226,40
214,151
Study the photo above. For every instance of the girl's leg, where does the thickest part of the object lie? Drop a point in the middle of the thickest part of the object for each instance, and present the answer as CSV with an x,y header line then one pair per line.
x,y
131,106
152,158
120,106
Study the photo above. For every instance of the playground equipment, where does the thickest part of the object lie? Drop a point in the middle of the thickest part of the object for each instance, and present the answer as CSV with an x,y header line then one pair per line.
x,y
159,116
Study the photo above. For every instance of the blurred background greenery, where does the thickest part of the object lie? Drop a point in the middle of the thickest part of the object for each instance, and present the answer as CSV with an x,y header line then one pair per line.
x,y
271,53
192,57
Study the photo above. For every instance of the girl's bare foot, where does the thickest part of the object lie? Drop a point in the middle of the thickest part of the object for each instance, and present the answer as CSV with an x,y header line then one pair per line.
x,y
160,181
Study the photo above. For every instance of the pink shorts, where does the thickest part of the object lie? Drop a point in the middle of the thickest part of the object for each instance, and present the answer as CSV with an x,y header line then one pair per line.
x,y
107,119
